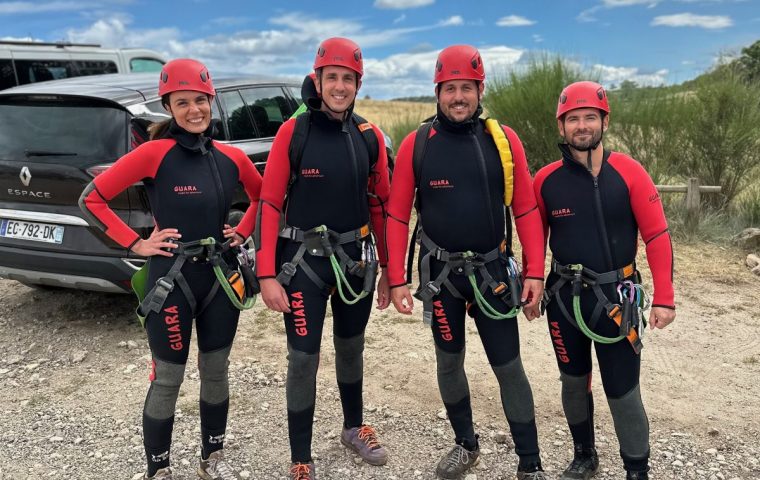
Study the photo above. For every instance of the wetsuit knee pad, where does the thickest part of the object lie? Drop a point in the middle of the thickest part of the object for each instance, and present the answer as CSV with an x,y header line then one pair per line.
x,y
213,368
301,384
575,397
452,380
516,395
164,390
349,364
631,424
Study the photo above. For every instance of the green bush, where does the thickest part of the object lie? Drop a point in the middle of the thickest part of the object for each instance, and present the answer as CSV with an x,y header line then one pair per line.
x,y
648,125
526,100
721,128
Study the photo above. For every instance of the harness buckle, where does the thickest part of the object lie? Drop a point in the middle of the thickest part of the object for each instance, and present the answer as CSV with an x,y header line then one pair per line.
x,y
318,242
288,269
164,284
357,269
427,292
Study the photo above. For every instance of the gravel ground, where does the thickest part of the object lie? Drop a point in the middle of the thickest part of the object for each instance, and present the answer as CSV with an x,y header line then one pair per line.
x,y
74,370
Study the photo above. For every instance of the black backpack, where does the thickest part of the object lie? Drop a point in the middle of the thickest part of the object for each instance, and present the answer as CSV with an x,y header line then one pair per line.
x,y
301,133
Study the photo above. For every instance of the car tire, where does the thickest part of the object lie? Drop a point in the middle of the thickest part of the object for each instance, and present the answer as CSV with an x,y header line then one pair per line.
x,y
234,217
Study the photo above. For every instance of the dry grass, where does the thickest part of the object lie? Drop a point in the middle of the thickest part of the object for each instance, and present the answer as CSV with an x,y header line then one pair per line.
x,y
385,113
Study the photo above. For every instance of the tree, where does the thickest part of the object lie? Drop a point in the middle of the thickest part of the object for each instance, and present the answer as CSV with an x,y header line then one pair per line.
x,y
750,62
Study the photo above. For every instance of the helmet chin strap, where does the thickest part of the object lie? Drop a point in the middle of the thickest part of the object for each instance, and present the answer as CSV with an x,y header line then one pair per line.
x,y
589,150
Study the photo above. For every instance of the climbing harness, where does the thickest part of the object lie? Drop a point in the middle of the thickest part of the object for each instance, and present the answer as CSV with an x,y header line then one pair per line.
x,y
239,283
467,264
627,313
320,241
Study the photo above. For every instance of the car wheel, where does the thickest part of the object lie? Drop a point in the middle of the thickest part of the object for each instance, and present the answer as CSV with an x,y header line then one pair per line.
x,y
234,217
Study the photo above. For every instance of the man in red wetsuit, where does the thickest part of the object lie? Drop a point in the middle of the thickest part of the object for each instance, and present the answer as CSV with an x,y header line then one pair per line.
x,y
459,182
594,203
331,192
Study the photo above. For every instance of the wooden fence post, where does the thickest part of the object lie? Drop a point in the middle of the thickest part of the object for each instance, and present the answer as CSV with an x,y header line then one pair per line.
x,y
692,204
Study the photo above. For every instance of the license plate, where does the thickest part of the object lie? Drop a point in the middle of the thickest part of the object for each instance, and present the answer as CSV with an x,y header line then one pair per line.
x,y
38,232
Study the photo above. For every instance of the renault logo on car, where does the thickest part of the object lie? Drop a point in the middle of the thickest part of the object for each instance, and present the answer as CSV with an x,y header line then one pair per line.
x,y
25,176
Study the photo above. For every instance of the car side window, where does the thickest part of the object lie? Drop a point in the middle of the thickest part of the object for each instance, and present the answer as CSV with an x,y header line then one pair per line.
x,y
238,119
216,117
268,107
295,94
93,67
137,65
30,71
7,75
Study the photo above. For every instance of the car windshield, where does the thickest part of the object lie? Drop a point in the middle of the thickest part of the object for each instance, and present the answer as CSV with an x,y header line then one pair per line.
x,y
59,133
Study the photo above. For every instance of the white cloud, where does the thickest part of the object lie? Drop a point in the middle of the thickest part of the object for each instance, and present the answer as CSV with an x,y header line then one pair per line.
x,y
451,21
399,19
615,75
711,22
514,21
588,15
627,3
411,74
401,4
114,32
11,8
538,38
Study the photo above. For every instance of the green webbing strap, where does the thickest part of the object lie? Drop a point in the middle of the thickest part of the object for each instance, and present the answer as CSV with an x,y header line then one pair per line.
x,y
341,280
578,269
331,248
222,280
301,108
480,300
429,289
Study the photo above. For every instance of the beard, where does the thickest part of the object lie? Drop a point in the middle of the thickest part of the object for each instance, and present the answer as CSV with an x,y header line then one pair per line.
x,y
587,142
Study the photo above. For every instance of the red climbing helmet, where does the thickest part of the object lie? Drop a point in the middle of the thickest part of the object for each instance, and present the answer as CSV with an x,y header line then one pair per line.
x,y
185,74
341,52
459,62
582,95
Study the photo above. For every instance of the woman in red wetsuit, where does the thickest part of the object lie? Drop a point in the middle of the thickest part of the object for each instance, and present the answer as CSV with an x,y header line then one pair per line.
x,y
190,180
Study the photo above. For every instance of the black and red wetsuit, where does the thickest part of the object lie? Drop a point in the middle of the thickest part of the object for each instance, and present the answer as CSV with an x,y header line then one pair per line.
x,y
331,188
190,181
595,221
461,207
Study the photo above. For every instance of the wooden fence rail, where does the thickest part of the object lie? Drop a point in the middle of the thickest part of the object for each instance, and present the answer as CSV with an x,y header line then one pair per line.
x,y
693,192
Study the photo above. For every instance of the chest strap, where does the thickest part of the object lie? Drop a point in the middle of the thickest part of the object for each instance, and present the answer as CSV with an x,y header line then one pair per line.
x,y
467,263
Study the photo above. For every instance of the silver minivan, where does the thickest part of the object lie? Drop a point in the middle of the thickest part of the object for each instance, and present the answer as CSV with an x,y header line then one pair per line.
x,y
29,62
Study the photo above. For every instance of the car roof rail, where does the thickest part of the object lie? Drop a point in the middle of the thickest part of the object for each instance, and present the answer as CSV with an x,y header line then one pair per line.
x,y
48,44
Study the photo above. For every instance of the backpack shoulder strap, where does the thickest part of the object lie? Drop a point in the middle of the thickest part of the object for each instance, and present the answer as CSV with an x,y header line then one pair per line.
x,y
298,143
420,144
418,153
370,138
505,154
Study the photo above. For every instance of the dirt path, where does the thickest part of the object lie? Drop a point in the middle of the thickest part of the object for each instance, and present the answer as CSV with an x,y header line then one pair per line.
x,y
74,368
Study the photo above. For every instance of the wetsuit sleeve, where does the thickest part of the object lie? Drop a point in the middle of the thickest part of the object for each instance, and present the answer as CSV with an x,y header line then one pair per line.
x,y
525,211
650,217
399,211
251,181
273,191
380,188
140,163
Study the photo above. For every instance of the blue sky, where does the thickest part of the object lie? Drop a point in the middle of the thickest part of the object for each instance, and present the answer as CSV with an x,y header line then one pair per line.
x,y
647,41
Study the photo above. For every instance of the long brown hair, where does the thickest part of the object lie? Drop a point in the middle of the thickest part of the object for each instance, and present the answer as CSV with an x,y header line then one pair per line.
x,y
158,129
